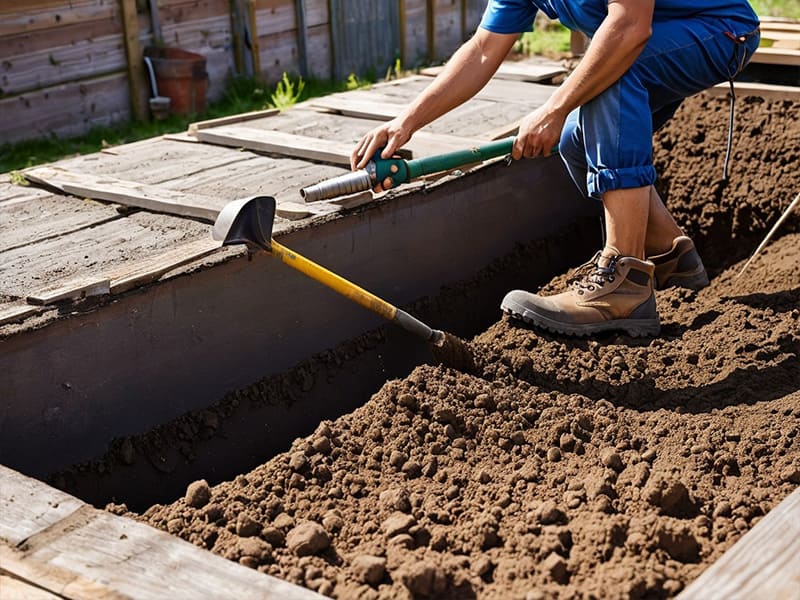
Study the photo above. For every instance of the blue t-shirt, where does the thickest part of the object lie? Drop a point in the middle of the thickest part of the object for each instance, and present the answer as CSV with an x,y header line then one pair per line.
x,y
516,16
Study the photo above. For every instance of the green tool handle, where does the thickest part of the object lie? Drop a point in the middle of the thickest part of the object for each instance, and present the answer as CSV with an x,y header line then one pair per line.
x,y
418,167
403,171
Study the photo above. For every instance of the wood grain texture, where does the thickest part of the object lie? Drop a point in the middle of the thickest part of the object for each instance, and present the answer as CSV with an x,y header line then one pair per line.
x,y
763,564
79,552
71,290
278,142
27,507
127,193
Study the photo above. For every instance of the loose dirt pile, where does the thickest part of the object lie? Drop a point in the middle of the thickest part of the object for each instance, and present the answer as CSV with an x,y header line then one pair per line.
x,y
613,468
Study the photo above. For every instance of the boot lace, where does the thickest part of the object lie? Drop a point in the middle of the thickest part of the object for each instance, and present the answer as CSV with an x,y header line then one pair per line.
x,y
591,276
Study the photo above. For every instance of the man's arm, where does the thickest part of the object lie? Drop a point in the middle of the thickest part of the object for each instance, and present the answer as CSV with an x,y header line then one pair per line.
x,y
467,71
615,46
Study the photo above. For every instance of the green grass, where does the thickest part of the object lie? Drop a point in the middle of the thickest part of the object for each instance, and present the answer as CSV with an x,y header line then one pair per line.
x,y
777,8
242,95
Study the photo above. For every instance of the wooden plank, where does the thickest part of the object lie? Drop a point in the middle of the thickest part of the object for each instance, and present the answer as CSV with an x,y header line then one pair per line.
x,y
155,161
521,71
278,142
776,56
229,120
764,563
51,577
771,24
127,193
55,36
353,107
294,211
763,90
71,290
91,554
133,51
27,507
427,143
142,272
26,19
14,312
80,60
96,251
780,39
48,215
65,110
14,589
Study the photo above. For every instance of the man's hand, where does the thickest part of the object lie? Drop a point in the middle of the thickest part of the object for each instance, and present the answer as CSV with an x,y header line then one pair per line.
x,y
539,132
390,136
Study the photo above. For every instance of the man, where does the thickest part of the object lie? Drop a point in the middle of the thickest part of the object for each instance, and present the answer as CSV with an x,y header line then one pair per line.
x,y
644,58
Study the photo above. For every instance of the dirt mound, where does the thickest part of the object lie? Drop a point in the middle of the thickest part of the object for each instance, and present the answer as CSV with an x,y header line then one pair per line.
x,y
613,468
727,219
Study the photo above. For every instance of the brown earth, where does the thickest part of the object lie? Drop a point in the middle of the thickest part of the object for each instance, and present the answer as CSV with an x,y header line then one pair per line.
x,y
613,468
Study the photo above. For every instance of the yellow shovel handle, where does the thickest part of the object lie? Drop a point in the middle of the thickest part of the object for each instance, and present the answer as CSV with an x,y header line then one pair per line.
x,y
334,281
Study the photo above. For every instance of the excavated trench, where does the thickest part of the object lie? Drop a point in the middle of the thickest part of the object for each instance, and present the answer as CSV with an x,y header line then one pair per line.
x,y
612,467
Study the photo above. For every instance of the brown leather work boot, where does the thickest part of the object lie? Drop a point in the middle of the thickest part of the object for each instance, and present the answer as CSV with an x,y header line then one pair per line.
x,y
609,293
680,267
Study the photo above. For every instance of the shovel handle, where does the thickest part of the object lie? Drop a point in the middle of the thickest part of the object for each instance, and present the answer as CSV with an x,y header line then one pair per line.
x,y
355,293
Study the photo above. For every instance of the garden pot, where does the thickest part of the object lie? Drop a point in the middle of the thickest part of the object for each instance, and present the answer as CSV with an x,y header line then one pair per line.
x,y
181,76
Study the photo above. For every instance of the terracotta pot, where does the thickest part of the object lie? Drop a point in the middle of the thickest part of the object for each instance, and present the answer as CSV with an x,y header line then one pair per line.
x,y
182,77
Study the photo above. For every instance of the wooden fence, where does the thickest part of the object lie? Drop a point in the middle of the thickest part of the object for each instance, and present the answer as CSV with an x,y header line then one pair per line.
x,y
68,65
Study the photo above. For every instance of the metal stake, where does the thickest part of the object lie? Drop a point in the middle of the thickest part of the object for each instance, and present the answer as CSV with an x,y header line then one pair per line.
x,y
771,231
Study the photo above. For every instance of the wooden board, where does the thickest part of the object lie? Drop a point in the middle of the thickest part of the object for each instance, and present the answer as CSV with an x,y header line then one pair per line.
x,y
87,554
514,71
93,252
240,118
147,271
763,90
25,511
154,161
764,563
47,215
776,56
65,110
73,289
16,312
14,589
780,39
361,108
128,193
278,142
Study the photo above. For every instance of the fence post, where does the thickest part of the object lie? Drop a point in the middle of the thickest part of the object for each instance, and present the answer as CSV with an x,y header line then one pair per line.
x,y
251,12
402,31
302,36
133,51
431,28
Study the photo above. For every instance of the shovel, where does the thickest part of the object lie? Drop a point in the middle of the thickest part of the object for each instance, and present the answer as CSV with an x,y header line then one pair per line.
x,y
249,221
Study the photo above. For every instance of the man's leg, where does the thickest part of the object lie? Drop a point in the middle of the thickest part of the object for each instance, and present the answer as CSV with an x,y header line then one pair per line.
x,y
627,222
661,227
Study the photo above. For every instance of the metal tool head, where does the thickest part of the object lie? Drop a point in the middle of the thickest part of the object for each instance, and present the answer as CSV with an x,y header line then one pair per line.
x,y
247,221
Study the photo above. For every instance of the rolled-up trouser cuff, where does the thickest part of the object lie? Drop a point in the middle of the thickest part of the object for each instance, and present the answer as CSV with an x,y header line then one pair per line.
x,y
614,179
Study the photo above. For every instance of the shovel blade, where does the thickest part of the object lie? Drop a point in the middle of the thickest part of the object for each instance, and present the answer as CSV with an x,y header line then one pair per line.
x,y
246,221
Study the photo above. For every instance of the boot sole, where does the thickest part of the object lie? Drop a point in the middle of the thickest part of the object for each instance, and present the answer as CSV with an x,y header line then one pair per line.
x,y
633,327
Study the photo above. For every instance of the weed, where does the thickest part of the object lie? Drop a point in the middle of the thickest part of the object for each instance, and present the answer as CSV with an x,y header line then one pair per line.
x,y
285,95
18,178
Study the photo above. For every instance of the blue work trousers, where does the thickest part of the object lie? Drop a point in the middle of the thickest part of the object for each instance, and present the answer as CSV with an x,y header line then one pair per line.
x,y
607,143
